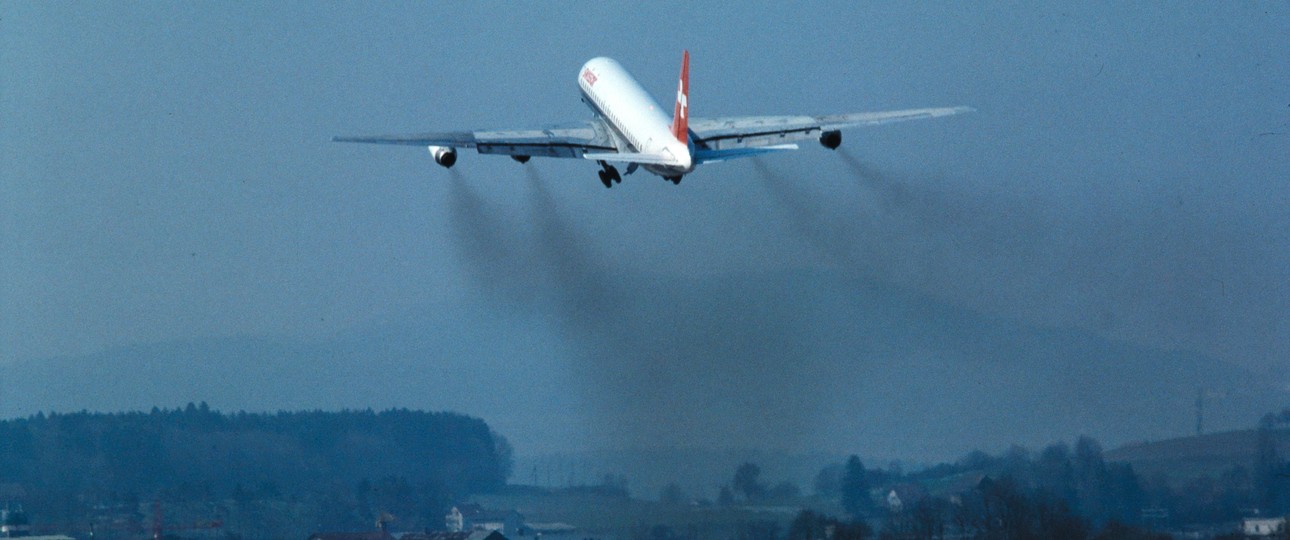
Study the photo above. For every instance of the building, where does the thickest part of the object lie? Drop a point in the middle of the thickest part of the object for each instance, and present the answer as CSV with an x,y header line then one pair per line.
x,y
475,518
454,521
1263,527
13,524
902,496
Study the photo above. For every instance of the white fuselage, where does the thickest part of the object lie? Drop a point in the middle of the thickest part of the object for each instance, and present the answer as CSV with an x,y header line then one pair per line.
x,y
637,121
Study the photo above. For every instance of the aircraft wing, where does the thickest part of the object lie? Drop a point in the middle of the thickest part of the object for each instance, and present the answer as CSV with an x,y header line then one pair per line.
x,y
760,131
564,141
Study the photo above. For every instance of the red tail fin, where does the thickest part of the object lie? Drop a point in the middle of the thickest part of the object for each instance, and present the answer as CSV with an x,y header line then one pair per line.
x,y
680,115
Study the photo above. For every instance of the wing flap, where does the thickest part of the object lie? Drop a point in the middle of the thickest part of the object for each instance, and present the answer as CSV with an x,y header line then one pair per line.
x,y
631,157
532,149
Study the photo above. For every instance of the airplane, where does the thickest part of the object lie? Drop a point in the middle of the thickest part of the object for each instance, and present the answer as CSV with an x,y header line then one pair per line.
x,y
630,128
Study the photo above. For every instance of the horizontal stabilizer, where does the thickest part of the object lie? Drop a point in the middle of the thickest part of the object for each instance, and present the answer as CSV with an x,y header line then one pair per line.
x,y
709,156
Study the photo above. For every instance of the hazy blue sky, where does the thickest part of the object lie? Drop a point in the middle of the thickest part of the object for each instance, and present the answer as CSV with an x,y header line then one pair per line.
x,y
166,172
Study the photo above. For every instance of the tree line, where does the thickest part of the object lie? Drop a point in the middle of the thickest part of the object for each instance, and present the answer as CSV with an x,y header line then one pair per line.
x,y
337,468
1062,491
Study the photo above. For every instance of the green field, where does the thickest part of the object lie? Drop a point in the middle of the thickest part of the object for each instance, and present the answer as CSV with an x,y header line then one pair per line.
x,y
624,517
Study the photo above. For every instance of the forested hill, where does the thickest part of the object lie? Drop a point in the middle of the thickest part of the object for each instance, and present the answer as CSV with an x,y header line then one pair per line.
x,y
195,453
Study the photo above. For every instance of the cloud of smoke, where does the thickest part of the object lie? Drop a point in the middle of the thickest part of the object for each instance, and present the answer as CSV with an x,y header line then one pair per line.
x,y
927,234
488,244
582,289
674,361
833,235
1149,270
667,361
758,359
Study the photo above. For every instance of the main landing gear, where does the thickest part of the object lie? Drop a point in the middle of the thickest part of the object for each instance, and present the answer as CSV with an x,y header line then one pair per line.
x,y
609,175
675,180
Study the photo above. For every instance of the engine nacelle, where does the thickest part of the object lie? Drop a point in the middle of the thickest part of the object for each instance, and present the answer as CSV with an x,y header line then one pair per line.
x,y
831,139
443,155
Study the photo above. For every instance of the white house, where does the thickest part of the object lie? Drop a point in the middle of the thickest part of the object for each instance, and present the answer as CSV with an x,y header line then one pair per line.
x,y
1257,527
454,521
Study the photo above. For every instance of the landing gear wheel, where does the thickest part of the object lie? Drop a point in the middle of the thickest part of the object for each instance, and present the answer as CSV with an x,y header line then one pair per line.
x,y
676,180
609,175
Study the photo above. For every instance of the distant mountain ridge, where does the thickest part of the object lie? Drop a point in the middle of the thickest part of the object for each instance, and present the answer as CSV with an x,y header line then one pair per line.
x,y
810,362
1185,458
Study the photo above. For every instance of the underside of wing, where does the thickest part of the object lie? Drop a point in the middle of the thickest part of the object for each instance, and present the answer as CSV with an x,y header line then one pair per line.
x,y
839,121
566,141
761,131
703,155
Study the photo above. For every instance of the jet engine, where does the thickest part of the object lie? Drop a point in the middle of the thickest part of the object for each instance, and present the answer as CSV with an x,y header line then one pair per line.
x,y
443,155
831,139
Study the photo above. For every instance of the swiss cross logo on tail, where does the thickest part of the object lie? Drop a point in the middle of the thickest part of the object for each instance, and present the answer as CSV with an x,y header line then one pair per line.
x,y
680,128
680,98
588,76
